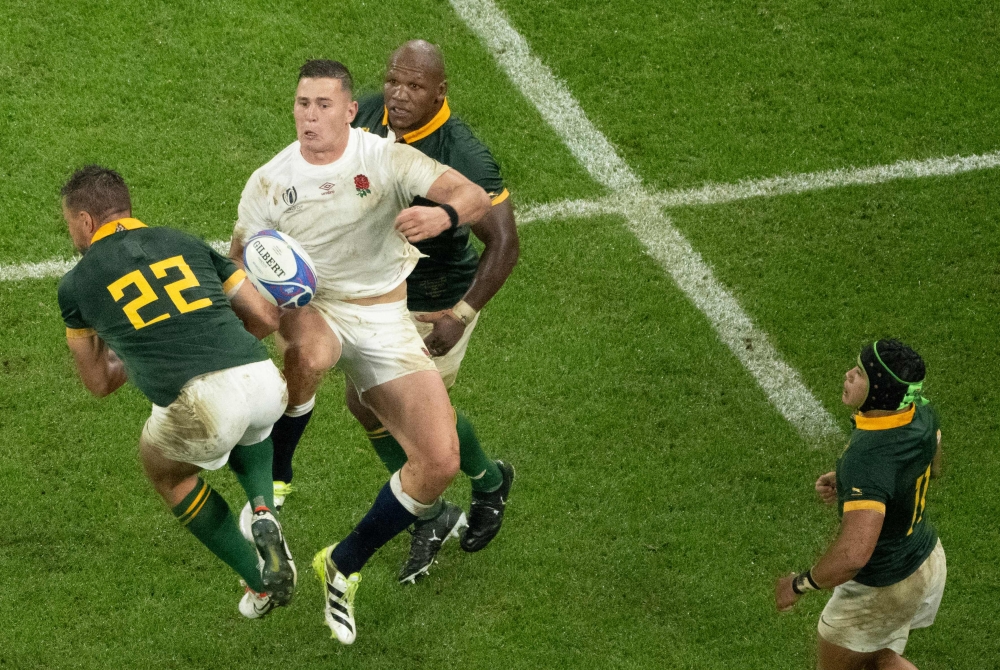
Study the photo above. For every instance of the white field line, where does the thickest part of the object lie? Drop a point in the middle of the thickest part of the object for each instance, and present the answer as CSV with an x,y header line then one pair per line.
x,y
57,267
713,194
717,194
709,194
651,226
54,267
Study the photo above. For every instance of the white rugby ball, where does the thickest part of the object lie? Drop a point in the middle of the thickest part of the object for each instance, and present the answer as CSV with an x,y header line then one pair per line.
x,y
280,269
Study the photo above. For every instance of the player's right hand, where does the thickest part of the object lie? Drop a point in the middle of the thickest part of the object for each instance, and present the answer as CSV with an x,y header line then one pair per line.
x,y
826,487
784,597
420,223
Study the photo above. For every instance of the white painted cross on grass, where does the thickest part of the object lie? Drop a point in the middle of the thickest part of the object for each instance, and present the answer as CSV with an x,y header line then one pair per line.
x,y
643,212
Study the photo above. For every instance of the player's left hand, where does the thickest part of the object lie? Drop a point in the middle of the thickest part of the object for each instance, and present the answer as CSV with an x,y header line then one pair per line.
x,y
420,223
784,596
448,330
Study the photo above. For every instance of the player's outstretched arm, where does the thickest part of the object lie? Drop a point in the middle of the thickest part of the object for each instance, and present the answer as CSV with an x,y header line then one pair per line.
x,y
259,317
851,551
101,370
469,201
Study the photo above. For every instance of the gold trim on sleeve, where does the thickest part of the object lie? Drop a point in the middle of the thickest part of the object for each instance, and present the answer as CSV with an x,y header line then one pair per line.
x,y
75,333
500,198
854,505
233,281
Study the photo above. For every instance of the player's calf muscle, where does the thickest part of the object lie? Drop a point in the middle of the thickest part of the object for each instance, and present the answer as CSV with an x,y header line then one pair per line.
x,y
172,480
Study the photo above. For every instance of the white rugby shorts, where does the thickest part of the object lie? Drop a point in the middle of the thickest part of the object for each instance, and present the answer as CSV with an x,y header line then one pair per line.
x,y
379,343
217,411
448,364
866,619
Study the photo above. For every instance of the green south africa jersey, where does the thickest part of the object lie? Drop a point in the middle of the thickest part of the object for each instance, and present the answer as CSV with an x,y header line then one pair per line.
x,y
157,297
887,468
440,280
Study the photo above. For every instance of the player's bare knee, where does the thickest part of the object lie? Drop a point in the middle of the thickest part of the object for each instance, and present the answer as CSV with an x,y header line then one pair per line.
x,y
443,465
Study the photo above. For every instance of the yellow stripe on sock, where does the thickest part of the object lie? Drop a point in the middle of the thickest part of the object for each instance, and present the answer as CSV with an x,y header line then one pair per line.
x,y
184,518
377,433
195,513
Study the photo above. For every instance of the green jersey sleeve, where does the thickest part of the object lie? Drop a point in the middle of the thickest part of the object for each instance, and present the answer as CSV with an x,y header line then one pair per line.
x,y
230,274
476,162
861,479
70,308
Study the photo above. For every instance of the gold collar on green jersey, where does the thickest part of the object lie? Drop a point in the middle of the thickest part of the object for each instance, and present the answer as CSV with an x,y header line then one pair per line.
x,y
420,133
885,422
116,226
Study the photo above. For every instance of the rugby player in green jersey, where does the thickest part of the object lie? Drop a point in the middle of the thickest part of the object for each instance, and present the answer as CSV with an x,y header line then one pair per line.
x,y
445,293
164,310
887,567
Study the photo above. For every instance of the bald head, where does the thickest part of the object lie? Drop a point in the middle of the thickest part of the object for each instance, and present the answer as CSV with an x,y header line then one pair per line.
x,y
415,86
419,55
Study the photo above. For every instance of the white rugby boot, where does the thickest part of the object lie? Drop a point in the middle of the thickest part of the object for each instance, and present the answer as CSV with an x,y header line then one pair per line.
x,y
255,605
340,590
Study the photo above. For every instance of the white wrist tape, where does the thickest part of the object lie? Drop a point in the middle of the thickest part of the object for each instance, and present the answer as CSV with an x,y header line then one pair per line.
x,y
464,312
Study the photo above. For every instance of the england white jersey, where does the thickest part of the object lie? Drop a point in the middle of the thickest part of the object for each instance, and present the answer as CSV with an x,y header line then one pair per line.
x,y
343,213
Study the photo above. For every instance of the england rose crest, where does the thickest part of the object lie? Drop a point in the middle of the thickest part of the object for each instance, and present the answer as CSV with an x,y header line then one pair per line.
x,y
362,185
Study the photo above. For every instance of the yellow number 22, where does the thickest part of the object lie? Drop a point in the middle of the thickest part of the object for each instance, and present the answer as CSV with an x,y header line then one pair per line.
x,y
147,295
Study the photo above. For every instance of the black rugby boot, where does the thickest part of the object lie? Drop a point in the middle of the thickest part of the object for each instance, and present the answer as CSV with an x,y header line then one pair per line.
x,y
428,536
486,512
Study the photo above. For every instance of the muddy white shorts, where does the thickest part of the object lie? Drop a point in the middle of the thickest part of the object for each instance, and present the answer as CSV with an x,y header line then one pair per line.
x,y
448,364
868,618
217,411
379,342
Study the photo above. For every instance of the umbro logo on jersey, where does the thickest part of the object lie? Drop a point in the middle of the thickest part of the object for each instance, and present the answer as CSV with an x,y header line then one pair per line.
x,y
290,196
327,188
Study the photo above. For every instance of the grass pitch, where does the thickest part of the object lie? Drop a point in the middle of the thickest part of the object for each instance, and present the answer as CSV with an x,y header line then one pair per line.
x,y
658,493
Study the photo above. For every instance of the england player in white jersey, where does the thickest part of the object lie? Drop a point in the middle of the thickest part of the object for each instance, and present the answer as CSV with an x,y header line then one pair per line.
x,y
344,195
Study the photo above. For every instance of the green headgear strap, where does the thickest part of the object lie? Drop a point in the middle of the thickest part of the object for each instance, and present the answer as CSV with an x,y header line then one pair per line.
x,y
914,390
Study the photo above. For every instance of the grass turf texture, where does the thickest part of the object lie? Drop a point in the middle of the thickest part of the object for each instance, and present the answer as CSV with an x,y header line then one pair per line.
x,y
658,493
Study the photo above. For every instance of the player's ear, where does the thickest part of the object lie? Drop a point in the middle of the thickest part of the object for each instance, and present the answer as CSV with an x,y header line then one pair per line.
x,y
443,89
352,111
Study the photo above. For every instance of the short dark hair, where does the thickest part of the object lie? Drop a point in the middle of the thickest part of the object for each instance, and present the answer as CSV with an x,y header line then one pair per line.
x,y
330,69
97,190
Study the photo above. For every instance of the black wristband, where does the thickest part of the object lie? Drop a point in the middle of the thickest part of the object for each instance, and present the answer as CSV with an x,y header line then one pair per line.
x,y
803,582
452,214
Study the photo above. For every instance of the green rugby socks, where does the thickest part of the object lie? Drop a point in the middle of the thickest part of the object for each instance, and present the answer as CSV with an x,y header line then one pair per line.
x,y
207,516
482,471
387,448
252,466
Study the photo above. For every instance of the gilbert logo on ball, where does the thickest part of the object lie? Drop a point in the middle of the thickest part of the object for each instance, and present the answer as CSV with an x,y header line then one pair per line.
x,y
280,269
